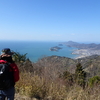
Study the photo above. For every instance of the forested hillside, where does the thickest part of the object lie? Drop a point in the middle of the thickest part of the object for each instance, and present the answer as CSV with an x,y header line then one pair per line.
x,y
89,64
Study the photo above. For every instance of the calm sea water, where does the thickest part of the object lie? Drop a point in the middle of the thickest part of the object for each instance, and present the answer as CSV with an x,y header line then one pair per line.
x,y
37,50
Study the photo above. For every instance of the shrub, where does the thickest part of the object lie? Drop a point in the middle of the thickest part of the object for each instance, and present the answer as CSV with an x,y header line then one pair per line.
x,y
94,81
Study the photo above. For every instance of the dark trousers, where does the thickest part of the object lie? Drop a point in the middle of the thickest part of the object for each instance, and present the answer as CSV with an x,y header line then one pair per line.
x,y
9,94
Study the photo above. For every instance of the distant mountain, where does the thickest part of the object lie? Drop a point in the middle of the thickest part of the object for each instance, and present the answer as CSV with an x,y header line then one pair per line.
x,y
83,46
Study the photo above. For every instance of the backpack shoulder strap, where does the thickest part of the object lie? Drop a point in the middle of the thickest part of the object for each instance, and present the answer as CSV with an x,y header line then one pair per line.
x,y
3,61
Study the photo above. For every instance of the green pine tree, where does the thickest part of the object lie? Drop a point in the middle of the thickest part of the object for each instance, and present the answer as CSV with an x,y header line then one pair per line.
x,y
80,75
17,57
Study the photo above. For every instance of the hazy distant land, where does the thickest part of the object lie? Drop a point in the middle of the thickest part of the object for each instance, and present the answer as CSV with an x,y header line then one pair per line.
x,y
84,50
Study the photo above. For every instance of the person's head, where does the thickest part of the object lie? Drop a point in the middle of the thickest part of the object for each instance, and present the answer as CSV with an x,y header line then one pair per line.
x,y
7,51
6,54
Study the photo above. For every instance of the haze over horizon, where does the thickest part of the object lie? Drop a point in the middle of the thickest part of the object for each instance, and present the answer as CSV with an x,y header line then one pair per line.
x,y
50,20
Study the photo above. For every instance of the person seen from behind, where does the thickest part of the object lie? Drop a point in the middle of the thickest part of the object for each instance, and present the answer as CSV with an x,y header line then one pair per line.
x,y
8,80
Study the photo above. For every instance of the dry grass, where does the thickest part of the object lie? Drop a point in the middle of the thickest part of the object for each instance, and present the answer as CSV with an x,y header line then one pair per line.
x,y
36,86
44,84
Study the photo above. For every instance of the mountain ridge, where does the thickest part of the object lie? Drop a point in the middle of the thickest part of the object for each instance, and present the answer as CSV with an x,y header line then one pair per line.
x,y
90,64
83,45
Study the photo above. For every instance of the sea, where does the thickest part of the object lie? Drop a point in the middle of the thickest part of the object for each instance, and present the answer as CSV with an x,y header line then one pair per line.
x,y
36,49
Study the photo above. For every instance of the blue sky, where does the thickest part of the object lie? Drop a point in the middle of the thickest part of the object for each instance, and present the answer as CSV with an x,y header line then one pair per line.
x,y
50,20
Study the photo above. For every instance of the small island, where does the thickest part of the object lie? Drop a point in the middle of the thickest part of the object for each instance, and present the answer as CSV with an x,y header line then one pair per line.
x,y
56,48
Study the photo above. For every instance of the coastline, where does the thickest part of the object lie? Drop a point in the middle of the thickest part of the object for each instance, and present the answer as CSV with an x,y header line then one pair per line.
x,y
85,52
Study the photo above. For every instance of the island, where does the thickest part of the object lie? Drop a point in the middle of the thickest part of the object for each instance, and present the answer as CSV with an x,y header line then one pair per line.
x,y
56,48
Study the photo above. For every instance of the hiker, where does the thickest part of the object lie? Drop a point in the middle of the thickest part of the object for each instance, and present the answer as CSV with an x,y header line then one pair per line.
x,y
7,89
